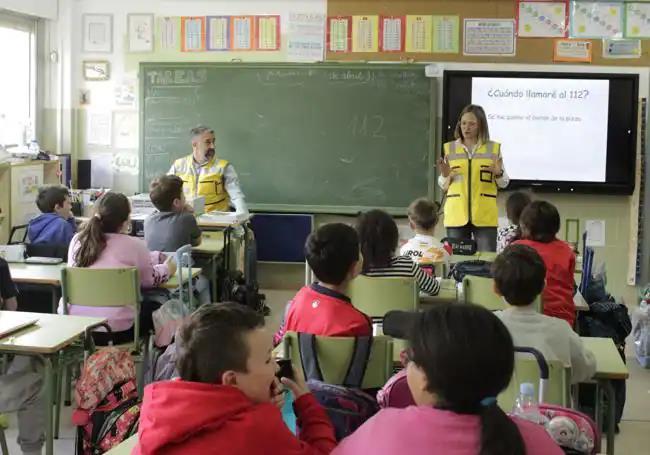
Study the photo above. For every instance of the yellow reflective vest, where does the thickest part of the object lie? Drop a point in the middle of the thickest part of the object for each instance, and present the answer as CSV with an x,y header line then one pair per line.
x,y
208,182
472,194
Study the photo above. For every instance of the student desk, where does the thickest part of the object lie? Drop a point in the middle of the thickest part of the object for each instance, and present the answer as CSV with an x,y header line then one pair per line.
x,y
448,294
125,447
212,246
609,366
45,340
172,283
47,276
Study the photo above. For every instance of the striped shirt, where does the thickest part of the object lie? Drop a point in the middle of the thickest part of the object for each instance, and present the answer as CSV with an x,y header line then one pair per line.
x,y
404,266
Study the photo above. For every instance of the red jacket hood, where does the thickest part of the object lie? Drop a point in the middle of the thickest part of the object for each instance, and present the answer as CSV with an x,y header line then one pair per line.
x,y
174,411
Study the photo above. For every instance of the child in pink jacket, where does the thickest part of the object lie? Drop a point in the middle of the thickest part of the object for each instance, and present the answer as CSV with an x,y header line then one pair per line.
x,y
103,243
461,357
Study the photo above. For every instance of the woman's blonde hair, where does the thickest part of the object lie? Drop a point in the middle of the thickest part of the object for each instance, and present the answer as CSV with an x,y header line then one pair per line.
x,y
483,130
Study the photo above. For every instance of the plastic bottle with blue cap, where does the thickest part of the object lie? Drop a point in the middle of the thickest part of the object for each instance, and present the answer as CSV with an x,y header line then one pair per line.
x,y
526,406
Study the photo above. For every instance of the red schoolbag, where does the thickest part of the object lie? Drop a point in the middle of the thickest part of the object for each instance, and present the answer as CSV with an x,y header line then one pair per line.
x,y
108,406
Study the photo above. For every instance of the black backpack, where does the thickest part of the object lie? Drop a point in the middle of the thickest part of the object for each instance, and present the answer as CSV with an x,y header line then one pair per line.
x,y
476,268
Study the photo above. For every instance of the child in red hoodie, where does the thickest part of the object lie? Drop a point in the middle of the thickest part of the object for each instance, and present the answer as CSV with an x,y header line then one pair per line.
x,y
540,222
228,399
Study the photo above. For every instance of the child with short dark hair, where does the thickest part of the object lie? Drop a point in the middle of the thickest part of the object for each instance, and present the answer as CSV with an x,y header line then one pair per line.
x,y
323,308
519,275
56,223
454,375
540,222
21,387
228,399
172,226
378,236
424,248
515,205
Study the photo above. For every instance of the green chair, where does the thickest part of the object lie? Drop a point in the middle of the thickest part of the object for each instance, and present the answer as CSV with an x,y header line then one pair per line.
x,y
334,356
557,384
376,296
102,288
4,424
480,291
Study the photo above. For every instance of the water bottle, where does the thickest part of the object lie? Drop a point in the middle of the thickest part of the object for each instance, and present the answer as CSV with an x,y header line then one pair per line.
x,y
526,405
34,148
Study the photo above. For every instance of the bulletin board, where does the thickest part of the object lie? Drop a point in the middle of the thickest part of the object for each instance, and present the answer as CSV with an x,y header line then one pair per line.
x,y
529,50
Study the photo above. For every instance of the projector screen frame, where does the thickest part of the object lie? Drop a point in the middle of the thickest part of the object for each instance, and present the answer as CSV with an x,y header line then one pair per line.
x,y
551,186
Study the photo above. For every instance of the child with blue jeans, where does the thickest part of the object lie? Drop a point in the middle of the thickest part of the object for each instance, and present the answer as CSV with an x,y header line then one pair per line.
x,y
22,386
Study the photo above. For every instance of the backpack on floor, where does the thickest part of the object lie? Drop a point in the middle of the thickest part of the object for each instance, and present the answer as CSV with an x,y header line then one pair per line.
x,y
347,405
108,406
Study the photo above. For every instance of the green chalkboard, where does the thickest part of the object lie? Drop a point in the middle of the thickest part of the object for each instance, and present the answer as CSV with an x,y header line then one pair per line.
x,y
302,137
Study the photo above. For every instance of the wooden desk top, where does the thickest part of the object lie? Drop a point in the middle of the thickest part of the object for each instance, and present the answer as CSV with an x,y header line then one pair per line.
x,y
125,447
448,294
609,364
36,273
49,335
173,281
211,243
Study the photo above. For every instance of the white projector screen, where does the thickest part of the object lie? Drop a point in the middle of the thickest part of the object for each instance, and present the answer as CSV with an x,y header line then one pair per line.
x,y
549,129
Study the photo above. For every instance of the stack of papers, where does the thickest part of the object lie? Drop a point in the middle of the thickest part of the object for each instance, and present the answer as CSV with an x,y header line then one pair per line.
x,y
223,217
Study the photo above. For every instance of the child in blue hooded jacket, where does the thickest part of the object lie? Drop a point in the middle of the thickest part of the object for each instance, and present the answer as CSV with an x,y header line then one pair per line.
x,y
56,224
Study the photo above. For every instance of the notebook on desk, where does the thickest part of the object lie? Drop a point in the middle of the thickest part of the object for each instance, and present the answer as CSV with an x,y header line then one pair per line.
x,y
14,322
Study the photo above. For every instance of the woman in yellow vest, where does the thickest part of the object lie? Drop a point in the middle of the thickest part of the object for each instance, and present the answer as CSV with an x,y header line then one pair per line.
x,y
471,172
203,174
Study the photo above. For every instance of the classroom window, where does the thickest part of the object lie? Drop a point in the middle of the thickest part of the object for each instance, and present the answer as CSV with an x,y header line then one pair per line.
x,y
17,81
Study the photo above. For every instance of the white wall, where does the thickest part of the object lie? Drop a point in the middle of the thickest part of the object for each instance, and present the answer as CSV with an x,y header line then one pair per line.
x,y
46,9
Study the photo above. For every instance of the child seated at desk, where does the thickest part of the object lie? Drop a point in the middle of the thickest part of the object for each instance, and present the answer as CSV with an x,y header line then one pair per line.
x,y
424,248
460,358
515,204
378,236
519,275
228,399
56,224
21,387
540,223
104,243
173,225
323,308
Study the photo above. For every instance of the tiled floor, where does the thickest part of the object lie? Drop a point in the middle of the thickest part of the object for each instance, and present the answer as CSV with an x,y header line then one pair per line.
x,y
634,438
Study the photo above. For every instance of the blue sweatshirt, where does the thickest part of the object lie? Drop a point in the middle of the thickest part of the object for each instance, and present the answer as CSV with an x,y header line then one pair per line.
x,y
51,228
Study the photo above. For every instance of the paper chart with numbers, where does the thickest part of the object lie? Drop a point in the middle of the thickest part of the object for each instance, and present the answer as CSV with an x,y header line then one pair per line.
x,y
596,20
542,19
391,33
419,29
169,32
446,34
268,33
339,29
365,33
218,33
637,20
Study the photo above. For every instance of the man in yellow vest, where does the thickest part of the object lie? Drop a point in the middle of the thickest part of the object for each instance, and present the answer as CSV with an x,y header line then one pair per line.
x,y
203,174
471,172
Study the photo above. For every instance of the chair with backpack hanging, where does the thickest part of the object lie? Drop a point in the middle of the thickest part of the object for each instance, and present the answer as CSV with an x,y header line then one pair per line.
x,y
338,369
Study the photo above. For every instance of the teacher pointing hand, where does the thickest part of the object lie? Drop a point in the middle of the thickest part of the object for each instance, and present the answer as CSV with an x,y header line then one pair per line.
x,y
471,171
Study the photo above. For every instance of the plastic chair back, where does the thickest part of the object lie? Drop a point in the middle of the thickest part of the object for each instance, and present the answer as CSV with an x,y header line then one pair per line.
x,y
376,296
335,354
480,291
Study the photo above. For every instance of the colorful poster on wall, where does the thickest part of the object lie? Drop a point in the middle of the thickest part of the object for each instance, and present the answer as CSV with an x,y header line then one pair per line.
x,y
596,20
169,32
572,50
267,36
306,42
218,33
193,34
242,33
540,19
489,37
446,34
419,33
392,33
339,32
365,33
637,20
